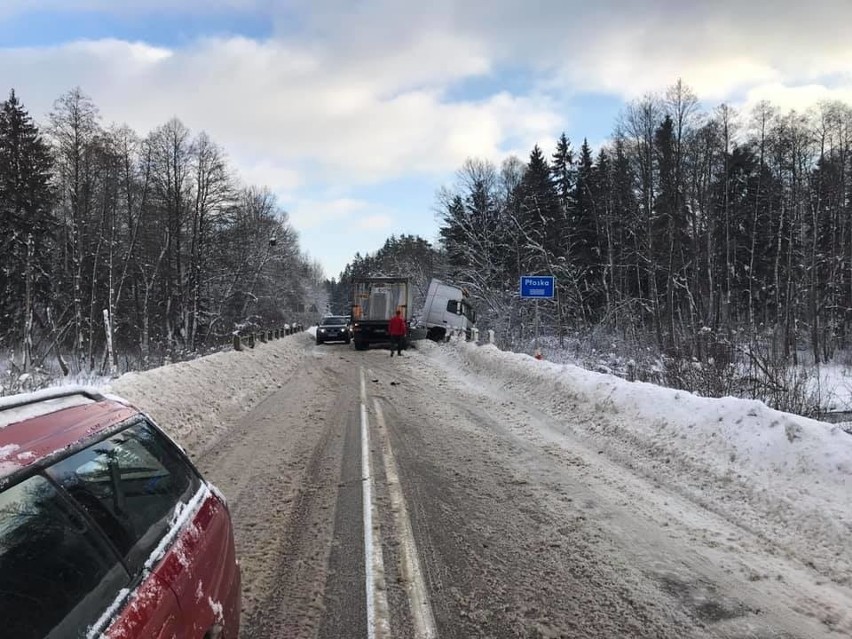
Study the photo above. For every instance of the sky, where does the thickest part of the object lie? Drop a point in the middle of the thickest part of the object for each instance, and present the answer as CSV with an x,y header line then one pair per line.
x,y
355,112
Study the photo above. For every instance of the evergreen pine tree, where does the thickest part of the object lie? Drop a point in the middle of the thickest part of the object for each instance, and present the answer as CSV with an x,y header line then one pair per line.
x,y
25,201
540,220
586,252
564,173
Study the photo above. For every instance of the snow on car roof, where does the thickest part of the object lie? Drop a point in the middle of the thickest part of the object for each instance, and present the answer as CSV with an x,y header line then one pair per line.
x,y
18,413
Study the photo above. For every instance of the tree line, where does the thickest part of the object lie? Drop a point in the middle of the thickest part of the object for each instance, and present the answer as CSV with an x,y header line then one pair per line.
x,y
149,242
405,255
689,229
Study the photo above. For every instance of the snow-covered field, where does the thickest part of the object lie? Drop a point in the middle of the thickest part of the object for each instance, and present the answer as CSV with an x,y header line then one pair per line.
x,y
828,385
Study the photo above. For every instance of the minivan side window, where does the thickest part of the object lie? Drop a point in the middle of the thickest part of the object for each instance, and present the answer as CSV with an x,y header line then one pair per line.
x,y
130,485
57,575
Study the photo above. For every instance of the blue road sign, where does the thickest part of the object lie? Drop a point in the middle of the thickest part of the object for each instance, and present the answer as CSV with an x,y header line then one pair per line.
x,y
538,286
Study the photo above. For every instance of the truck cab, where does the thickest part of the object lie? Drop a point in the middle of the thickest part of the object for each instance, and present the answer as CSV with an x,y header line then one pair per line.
x,y
447,308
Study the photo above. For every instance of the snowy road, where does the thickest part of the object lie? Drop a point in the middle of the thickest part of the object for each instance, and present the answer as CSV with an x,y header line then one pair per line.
x,y
513,526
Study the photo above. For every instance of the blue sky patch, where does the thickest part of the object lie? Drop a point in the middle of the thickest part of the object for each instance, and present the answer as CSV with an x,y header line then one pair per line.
x,y
40,29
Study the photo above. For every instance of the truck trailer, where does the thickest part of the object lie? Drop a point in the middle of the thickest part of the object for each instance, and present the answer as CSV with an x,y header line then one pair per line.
x,y
374,301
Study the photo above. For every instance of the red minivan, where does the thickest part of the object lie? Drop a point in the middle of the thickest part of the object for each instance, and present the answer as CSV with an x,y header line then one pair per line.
x,y
106,527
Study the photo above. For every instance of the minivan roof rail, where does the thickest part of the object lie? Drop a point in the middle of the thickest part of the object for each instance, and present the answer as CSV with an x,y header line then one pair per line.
x,y
25,399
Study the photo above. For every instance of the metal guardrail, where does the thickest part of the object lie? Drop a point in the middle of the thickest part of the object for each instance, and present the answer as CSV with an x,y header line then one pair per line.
x,y
252,338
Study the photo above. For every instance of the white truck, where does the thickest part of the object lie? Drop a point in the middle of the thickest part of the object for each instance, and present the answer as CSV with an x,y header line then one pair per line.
x,y
446,309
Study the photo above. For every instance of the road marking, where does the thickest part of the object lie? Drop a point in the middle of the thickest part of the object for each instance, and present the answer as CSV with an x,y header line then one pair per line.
x,y
378,623
418,596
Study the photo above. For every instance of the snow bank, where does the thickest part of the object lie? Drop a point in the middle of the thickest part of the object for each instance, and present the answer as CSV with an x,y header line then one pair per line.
x,y
193,400
776,474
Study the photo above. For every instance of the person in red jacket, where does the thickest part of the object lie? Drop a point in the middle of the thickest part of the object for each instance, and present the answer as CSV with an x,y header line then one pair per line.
x,y
397,331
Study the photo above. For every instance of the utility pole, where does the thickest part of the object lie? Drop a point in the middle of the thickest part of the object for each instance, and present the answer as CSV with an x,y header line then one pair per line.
x,y
537,354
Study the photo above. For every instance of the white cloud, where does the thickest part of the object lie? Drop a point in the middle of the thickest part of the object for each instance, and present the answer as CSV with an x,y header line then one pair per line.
x,y
612,45
710,77
375,222
309,214
624,47
364,99
800,97
281,179
360,119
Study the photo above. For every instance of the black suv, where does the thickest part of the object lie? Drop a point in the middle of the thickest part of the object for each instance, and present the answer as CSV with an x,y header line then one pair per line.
x,y
334,328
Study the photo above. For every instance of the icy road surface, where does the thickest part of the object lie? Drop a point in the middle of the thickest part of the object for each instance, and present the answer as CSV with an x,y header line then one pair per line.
x,y
494,511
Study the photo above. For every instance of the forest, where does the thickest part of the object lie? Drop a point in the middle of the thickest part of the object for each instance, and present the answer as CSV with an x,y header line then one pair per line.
x,y
711,249
149,242
707,249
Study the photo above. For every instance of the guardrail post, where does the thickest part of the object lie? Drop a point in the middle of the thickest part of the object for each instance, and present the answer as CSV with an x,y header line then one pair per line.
x,y
238,345
251,340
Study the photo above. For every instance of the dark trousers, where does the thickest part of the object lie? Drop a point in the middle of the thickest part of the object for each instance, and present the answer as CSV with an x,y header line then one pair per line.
x,y
397,342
